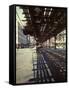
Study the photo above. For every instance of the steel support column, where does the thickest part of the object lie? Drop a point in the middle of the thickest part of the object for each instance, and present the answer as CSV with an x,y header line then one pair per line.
x,y
55,42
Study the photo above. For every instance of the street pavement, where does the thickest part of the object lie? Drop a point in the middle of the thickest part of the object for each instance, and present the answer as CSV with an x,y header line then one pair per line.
x,y
40,66
24,65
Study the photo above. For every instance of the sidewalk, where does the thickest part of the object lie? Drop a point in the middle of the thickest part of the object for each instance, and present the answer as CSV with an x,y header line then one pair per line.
x,y
24,65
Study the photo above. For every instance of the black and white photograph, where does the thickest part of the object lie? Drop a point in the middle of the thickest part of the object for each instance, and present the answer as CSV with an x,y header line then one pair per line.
x,y
41,44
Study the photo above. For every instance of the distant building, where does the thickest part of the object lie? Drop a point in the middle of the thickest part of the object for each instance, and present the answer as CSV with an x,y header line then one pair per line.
x,y
21,39
60,41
